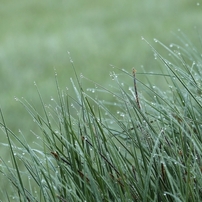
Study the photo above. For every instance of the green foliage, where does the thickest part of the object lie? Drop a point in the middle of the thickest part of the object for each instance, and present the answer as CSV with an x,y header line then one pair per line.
x,y
89,152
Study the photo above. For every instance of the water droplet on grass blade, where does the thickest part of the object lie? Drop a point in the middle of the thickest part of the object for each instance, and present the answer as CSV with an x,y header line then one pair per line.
x,y
16,99
155,56
155,40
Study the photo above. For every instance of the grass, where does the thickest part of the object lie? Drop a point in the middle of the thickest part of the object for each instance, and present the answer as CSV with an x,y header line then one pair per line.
x,y
92,149
35,38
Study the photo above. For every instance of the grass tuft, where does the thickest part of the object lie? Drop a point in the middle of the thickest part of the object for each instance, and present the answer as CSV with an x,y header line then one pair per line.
x,y
141,147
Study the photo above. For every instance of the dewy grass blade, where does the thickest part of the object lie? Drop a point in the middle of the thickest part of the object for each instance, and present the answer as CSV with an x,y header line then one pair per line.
x,y
21,188
135,88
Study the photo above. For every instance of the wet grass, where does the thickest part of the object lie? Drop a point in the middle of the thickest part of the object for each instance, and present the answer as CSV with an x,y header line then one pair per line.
x,y
140,147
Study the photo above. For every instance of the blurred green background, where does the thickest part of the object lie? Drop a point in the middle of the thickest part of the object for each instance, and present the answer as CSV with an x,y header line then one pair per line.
x,y
36,36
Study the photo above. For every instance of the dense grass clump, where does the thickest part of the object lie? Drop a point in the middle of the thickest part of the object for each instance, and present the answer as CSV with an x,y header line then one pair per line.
x,y
144,146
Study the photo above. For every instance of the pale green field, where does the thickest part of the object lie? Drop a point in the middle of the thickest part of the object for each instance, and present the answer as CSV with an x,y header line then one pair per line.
x,y
36,36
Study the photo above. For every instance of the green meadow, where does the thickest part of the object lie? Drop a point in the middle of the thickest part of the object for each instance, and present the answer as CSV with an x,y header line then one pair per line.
x,y
39,39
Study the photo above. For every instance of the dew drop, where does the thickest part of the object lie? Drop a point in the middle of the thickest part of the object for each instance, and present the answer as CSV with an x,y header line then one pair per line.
x,y
16,99
155,40
155,56
198,4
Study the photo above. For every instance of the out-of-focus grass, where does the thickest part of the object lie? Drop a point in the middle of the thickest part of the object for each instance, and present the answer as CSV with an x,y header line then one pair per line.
x,y
36,36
